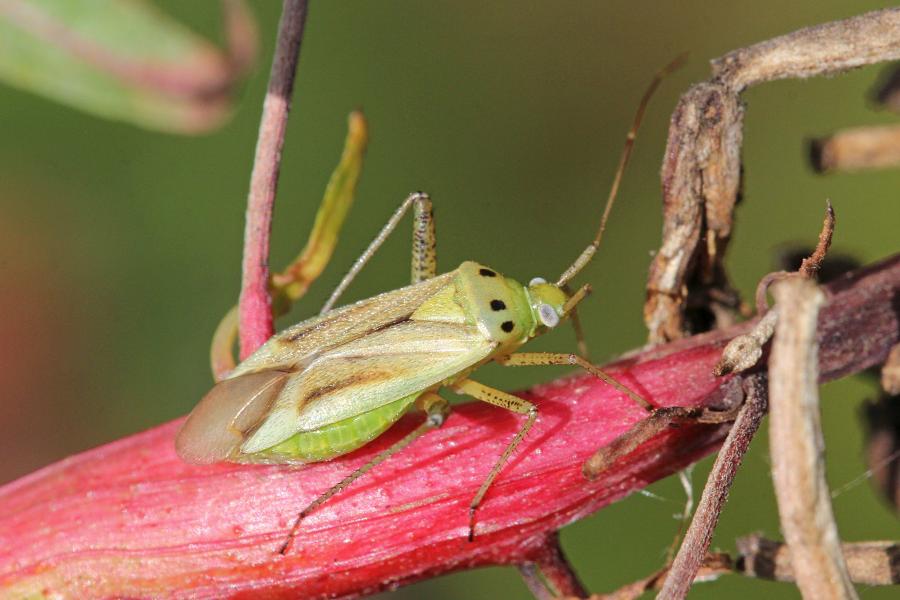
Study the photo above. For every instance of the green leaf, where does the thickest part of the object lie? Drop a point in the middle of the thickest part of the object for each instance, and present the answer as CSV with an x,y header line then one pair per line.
x,y
124,60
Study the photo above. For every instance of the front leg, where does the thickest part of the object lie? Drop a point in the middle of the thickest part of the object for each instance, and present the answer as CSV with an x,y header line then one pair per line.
x,y
656,421
524,359
661,419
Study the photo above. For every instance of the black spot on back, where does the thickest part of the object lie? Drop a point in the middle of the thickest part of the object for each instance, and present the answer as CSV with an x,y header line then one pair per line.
x,y
507,326
486,272
498,305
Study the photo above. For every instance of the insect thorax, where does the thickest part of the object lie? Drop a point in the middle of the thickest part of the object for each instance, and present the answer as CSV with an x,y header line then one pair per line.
x,y
498,304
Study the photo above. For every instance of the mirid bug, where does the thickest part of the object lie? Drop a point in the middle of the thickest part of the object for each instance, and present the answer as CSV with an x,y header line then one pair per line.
x,y
329,385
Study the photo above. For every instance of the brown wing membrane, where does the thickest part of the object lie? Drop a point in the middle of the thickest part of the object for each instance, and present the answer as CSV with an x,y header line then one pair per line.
x,y
217,426
294,347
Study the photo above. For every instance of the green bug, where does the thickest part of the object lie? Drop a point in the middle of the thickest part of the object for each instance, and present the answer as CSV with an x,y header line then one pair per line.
x,y
329,385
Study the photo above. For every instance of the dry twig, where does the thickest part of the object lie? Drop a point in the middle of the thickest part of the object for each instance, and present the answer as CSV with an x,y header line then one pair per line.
x,y
711,568
796,445
856,149
820,50
720,408
868,563
744,351
701,176
690,558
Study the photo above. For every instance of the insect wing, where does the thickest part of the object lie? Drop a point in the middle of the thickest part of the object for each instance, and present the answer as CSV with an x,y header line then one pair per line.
x,y
217,426
368,373
300,344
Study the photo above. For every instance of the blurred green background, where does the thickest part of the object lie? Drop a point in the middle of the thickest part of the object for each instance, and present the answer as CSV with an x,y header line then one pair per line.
x,y
120,248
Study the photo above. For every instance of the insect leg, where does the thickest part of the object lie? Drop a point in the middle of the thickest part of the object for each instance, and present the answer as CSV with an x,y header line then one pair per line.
x,y
509,402
557,358
436,409
423,207
424,243
658,420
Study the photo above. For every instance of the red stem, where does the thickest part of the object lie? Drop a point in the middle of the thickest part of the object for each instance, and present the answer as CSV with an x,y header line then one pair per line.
x,y
131,520
256,324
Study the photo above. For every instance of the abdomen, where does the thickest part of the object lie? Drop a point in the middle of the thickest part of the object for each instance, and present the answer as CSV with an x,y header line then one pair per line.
x,y
335,439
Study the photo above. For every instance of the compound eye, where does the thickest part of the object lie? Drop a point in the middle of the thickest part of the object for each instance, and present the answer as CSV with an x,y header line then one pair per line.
x,y
536,281
548,315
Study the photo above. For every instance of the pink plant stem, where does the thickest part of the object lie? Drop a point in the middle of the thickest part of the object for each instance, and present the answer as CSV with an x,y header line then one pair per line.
x,y
256,325
129,519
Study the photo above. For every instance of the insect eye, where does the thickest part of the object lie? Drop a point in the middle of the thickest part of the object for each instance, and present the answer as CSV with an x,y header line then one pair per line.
x,y
548,315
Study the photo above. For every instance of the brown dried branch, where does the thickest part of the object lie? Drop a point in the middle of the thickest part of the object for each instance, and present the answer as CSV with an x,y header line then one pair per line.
x,y
690,558
687,287
255,314
744,351
856,149
712,566
796,445
824,49
718,410
740,354
701,179
868,563
810,266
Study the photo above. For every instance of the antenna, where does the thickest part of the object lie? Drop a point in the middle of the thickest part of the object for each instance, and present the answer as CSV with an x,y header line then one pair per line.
x,y
589,252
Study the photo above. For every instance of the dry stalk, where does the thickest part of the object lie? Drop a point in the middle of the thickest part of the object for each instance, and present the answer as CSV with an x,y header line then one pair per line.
x,y
797,447
868,563
712,567
819,50
701,176
690,558
744,351
857,149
